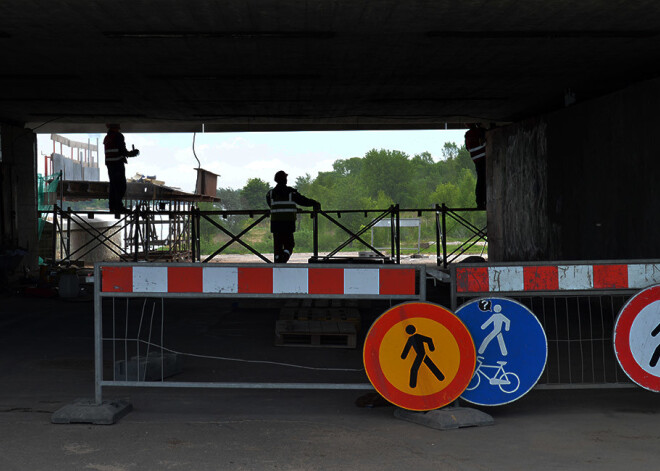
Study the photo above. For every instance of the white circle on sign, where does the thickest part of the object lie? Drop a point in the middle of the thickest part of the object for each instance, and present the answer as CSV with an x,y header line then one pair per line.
x,y
642,344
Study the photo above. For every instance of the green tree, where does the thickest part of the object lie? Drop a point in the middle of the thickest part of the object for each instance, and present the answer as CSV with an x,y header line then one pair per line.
x,y
254,194
390,172
230,199
346,167
303,183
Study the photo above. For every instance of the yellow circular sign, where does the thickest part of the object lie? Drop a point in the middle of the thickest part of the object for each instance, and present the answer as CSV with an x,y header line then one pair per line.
x,y
419,356
437,368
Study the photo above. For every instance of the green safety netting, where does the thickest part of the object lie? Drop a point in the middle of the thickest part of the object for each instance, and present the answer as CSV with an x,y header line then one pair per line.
x,y
46,186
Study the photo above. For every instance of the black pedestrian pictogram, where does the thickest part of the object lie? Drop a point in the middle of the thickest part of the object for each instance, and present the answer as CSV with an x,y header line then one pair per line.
x,y
656,354
416,342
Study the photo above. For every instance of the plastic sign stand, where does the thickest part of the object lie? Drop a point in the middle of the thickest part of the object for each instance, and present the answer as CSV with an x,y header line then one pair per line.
x,y
419,356
637,338
512,350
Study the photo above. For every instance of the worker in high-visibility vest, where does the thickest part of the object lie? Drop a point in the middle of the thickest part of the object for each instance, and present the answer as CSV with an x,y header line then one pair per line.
x,y
115,159
282,201
475,142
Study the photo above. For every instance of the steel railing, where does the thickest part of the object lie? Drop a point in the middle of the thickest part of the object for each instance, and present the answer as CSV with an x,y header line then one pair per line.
x,y
182,241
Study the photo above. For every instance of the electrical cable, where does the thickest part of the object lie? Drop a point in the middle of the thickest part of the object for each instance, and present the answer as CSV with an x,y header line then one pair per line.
x,y
199,165
242,360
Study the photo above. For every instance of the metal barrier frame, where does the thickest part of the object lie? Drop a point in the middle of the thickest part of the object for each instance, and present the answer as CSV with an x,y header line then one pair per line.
x,y
596,278
99,294
137,227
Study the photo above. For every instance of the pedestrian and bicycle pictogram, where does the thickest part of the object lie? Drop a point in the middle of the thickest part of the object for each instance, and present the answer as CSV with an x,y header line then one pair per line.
x,y
495,375
637,338
512,350
419,356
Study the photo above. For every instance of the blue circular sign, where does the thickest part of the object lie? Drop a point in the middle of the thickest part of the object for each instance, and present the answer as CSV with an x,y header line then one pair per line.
x,y
512,350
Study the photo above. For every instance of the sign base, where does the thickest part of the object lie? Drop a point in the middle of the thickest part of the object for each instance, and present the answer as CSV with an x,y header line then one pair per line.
x,y
447,418
86,411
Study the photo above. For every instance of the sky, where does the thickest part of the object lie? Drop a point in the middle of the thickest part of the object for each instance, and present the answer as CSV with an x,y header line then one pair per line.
x,y
237,157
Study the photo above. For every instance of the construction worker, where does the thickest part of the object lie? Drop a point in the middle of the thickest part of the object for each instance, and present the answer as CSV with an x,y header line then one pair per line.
x,y
475,142
282,201
115,159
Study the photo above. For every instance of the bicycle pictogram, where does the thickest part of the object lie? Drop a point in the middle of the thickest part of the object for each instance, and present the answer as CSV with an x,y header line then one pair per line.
x,y
507,381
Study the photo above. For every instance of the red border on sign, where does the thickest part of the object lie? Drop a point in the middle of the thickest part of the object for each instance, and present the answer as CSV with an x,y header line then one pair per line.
x,y
395,315
622,338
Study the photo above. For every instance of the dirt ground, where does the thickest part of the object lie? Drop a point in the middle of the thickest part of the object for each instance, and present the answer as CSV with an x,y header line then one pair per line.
x,y
303,257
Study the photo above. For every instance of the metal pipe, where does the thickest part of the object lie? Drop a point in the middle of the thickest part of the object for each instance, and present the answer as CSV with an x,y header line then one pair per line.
x,y
398,235
228,385
392,231
55,229
444,235
315,233
98,336
136,224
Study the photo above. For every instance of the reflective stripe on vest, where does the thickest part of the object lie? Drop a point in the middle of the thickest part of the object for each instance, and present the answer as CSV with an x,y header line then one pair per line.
x,y
283,210
477,152
111,146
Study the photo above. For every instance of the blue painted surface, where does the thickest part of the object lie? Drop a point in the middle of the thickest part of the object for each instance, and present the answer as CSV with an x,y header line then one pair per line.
x,y
511,350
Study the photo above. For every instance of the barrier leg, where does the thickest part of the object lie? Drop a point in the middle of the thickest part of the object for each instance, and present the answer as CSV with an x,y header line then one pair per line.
x,y
96,411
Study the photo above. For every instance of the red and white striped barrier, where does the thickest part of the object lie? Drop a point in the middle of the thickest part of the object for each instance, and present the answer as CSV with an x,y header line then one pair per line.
x,y
559,277
259,280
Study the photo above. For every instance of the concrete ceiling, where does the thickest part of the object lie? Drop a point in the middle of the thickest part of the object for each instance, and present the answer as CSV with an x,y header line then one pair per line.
x,y
173,65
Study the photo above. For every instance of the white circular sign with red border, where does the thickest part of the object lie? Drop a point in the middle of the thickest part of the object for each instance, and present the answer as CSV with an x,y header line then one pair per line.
x,y
637,338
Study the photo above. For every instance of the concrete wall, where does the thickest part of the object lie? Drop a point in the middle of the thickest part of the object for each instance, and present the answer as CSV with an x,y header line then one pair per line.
x,y
18,193
578,184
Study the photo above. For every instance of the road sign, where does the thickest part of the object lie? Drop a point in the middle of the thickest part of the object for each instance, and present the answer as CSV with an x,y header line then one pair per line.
x,y
511,350
419,356
637,338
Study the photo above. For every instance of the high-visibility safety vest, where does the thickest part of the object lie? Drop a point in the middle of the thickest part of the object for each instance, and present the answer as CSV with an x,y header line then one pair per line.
x,y
477,152
115,147
284,210
475,142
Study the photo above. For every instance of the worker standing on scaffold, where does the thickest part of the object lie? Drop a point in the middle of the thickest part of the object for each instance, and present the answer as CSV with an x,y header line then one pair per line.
x,y
115,159
282,201
475,143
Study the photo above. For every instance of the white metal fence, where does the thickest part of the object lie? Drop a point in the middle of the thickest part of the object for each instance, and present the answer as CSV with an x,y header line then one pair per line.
x,y
577,304
132,332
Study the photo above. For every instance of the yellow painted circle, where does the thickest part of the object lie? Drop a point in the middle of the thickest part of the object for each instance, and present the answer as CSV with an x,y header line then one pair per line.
x,y
445,356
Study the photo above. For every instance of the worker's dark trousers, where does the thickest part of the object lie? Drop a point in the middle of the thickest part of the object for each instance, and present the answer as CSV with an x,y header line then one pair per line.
x,y
117,176
480,189
283,243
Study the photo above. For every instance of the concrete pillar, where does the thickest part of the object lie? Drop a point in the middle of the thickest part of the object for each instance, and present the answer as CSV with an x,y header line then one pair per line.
x,y
580,183
18,194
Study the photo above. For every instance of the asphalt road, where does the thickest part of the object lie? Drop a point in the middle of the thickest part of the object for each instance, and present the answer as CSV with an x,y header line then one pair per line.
x,y
46,362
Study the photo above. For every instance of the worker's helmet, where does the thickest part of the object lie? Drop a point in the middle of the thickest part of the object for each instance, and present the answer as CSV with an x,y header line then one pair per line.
x,y
280,177
113,126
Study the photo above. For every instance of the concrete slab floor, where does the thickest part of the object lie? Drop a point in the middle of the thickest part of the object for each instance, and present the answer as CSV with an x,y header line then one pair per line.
x,y
45,351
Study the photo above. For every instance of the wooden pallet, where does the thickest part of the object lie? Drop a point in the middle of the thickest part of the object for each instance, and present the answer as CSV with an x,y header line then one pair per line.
x,y
297,333
322,303
322,315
